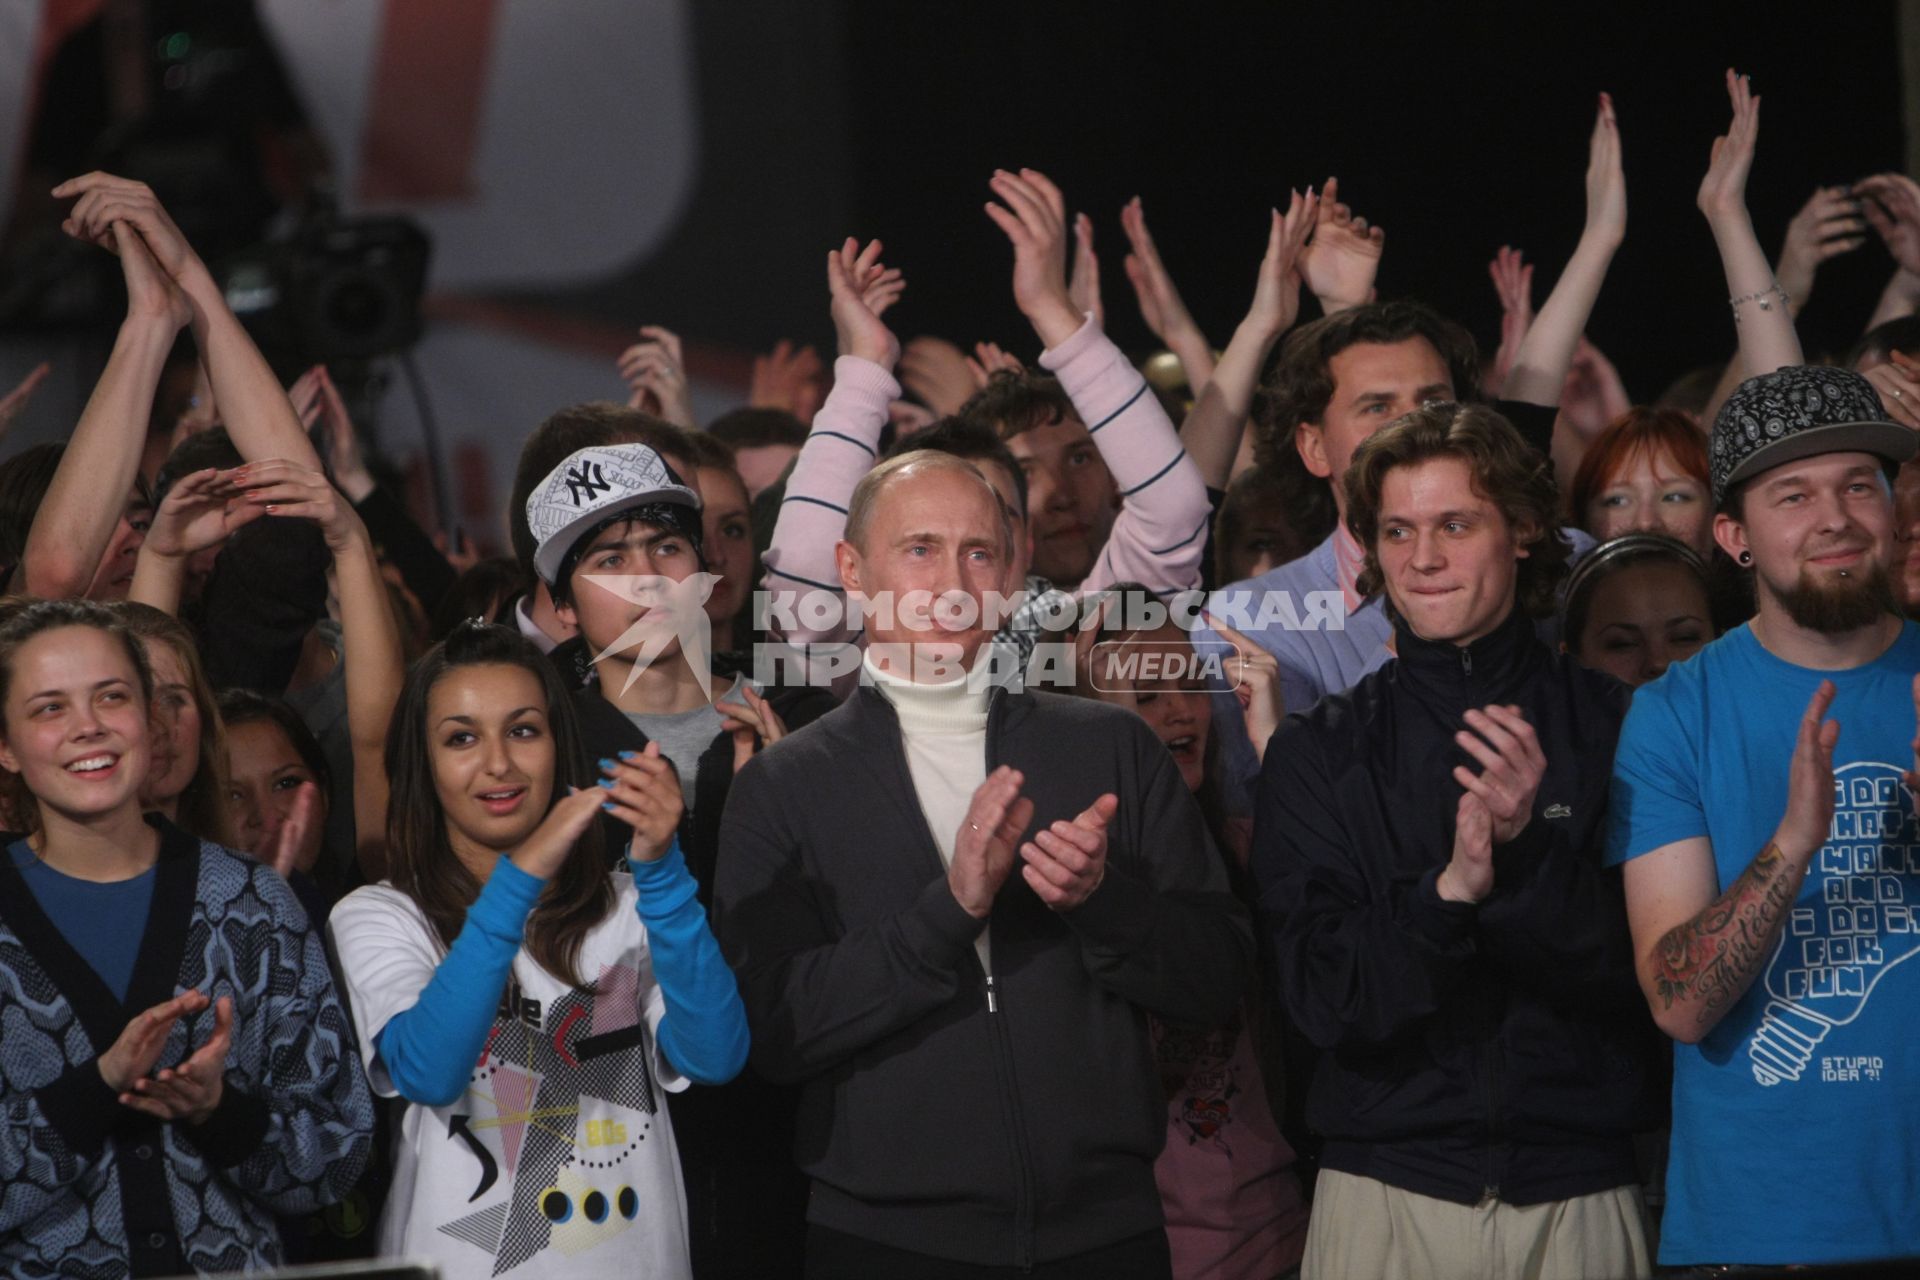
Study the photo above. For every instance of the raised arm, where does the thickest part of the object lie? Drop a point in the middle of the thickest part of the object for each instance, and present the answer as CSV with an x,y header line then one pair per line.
x,y
199,511
1217,423
374,660
1546,353
841,445
1761,315
252,404
424,1017
1830,223
656,376
1698,949
1158,536
88,495
1890,202
1343,257
1160,303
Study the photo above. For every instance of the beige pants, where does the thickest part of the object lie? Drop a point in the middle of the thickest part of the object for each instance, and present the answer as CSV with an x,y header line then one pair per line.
x,y
1363,1229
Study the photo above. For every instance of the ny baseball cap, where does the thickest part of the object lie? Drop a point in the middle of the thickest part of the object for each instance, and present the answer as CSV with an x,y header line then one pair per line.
x,y
589,487
1795,413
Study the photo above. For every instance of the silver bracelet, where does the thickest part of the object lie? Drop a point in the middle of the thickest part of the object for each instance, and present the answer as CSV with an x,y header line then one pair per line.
x,y
1764,298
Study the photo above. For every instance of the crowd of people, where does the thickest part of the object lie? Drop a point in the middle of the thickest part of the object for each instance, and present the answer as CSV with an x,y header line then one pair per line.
x,y
1413,817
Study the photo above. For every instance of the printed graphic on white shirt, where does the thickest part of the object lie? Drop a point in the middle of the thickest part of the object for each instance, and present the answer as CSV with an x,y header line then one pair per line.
x,y
558,1159
570,1092
1852,926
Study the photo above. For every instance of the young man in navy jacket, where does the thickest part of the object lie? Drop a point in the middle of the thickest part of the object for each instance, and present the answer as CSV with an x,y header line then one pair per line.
x,y
1427,856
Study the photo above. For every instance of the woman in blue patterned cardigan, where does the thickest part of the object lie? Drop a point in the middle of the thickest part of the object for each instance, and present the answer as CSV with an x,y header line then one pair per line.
x,y
175,1066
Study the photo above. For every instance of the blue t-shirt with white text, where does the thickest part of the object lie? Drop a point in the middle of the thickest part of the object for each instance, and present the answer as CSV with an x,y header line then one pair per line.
x,y
1796,1121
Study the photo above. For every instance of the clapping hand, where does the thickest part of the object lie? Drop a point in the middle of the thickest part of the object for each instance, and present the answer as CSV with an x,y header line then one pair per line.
x,y
1341,260
862,288
656,376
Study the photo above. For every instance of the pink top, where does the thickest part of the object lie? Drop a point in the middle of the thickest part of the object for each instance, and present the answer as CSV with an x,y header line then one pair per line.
x,y
1157,537
1232,1200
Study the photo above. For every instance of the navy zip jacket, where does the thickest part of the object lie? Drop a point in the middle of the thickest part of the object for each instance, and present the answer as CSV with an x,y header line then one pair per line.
x,y
1502,1048
998,1127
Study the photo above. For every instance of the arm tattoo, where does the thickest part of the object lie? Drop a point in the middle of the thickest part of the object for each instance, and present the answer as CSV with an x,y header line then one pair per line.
x,y
1713,957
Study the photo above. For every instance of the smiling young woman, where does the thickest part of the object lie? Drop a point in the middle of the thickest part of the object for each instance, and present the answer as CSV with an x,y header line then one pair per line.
x,y
500,939
158,989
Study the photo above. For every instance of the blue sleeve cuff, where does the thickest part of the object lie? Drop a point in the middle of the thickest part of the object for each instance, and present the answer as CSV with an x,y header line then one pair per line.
x,y
705,1031
429,1050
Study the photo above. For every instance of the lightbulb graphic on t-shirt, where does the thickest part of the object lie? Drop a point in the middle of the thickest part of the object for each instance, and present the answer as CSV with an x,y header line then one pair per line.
x,y
1854,922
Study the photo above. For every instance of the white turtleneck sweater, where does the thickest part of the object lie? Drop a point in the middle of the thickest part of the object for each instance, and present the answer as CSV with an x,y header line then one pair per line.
x,y
943,728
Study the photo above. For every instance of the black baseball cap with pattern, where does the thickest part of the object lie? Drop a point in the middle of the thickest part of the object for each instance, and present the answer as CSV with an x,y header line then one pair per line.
x,y
1795,413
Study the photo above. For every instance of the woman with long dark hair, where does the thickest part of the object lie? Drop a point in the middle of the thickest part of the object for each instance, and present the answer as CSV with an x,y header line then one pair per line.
x,y
529,1006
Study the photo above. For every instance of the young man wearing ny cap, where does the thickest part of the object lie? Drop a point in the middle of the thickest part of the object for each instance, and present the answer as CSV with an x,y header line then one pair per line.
x,y
1761,805
618,542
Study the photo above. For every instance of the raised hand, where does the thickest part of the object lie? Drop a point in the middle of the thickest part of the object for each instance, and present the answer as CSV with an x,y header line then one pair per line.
x,y
457,549
1809,816
1067,861
1513,281
1468,875
317,402
138,1046
1897,380
1341,260
935,372
790,378
1891,204
1830,223
1035,220
14,403
1723,192
1606,179
988,359
284,488
292,832
151,292
862,288
643,791
543,853
1593,395
200,511
983,847
1160,303
1276,292
656,376
190,1091
754,725
1084,285
101,199
1512,765
1255,676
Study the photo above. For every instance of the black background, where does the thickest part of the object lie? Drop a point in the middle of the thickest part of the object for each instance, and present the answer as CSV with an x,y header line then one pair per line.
x,y
1455,127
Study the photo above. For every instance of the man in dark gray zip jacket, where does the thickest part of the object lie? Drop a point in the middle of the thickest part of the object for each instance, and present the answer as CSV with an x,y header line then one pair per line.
x,y
978,1086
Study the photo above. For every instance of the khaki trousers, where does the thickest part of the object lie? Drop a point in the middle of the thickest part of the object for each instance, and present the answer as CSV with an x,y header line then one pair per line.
x,y
1363,1229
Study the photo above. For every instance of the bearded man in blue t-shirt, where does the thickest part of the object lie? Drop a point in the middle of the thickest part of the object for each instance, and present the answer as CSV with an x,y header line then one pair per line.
x,y
1762,805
